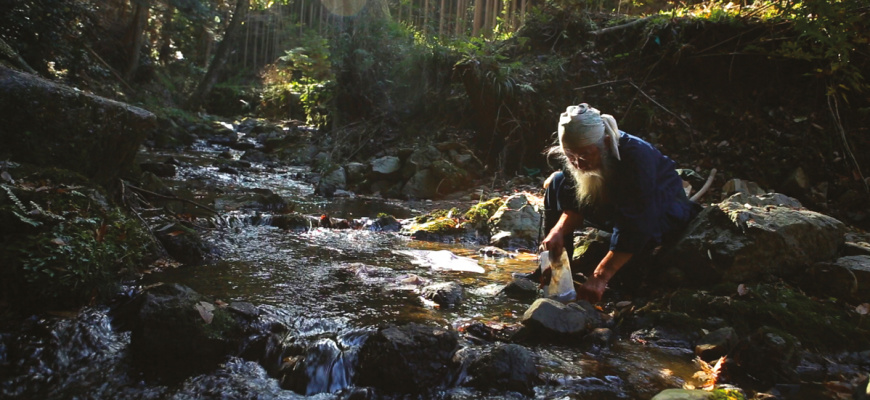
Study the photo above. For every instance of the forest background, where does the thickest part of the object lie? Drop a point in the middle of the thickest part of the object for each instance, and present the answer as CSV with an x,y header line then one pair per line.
x,y
769,91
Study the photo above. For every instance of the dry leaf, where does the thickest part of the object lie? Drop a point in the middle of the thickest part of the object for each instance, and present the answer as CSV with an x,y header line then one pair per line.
x,y
58,241
175,233
863,309
742,290
205,311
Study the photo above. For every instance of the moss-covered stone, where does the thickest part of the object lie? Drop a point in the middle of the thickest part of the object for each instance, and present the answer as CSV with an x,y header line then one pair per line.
x,y
817,324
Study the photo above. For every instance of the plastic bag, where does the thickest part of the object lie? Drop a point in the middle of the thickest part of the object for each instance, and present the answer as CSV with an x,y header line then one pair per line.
x,y
561,285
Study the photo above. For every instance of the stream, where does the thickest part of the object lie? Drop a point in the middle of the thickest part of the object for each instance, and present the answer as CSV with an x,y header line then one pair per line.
x,y
331,287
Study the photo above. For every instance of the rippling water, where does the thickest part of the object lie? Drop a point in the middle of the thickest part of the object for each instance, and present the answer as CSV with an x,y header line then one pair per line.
x,y
330,287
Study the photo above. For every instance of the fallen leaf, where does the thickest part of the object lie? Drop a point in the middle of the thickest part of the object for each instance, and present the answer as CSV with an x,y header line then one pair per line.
x,y
6,177
863,309
742,290
175,233
205,311
58,241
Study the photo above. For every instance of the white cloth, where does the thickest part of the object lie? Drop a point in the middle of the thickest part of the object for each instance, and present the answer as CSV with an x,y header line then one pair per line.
x,y
581,126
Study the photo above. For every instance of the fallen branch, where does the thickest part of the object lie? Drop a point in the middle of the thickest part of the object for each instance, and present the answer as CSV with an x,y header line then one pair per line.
x,y
150,193
661,106
112,70
621,27
706,186
835,113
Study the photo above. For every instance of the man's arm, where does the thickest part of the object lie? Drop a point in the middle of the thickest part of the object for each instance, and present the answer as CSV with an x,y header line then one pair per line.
x,y
594,287
555,240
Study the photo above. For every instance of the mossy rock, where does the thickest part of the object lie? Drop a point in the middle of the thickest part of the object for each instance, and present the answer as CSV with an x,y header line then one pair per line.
x,y
479,214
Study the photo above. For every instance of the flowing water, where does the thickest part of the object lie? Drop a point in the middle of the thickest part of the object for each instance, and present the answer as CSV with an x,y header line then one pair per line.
x,y
331,287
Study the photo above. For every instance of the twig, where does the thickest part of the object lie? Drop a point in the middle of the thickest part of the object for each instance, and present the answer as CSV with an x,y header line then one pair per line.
x,y
144,223
706,186
620,27
661,106
601,84
835,113
118,76
150,193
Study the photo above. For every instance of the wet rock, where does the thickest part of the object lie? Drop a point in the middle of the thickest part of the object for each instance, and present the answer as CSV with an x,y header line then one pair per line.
x,y
676,339
385,223
293,221
321,368
176,331
521,288
506,367
494,252
549,319
447,294
408,359
255,156
747,237
220,135
331,181
716,344
355,173
683,394
521,218
68,128
162,170
769,355
599,338
184,244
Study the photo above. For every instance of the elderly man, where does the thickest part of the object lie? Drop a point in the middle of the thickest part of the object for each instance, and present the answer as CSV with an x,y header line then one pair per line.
x,y
617,182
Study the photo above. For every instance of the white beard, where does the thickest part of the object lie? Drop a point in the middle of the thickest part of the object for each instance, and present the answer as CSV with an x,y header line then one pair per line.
x,y
590,188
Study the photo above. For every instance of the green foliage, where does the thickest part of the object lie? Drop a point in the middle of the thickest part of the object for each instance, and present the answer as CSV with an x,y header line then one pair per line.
x,y
63,245
830,34
487,61
300,83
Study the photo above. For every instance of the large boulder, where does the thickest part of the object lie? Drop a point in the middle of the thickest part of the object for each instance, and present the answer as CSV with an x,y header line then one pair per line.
x,y
507,367
517,223
176,331
49,124
748,237
408,359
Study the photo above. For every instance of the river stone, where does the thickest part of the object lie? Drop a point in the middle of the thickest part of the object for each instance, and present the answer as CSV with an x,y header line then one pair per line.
x,y
506,367
550,318
184,244
355,173
521,288
332,181
683,394
411,358
769,355
747,238
716,344
520,218
175,330
422,185
422,158
387,165
49,124
446,294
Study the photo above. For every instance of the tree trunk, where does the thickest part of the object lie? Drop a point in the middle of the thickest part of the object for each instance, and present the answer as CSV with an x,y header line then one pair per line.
x,y
441,16
220,57
478,17
166,35
137,33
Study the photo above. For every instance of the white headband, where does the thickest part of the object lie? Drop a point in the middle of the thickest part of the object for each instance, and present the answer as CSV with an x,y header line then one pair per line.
x,y
581,126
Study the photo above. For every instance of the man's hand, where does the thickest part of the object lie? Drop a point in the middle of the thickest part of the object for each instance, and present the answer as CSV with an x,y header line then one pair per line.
x,y
555,244
592,290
